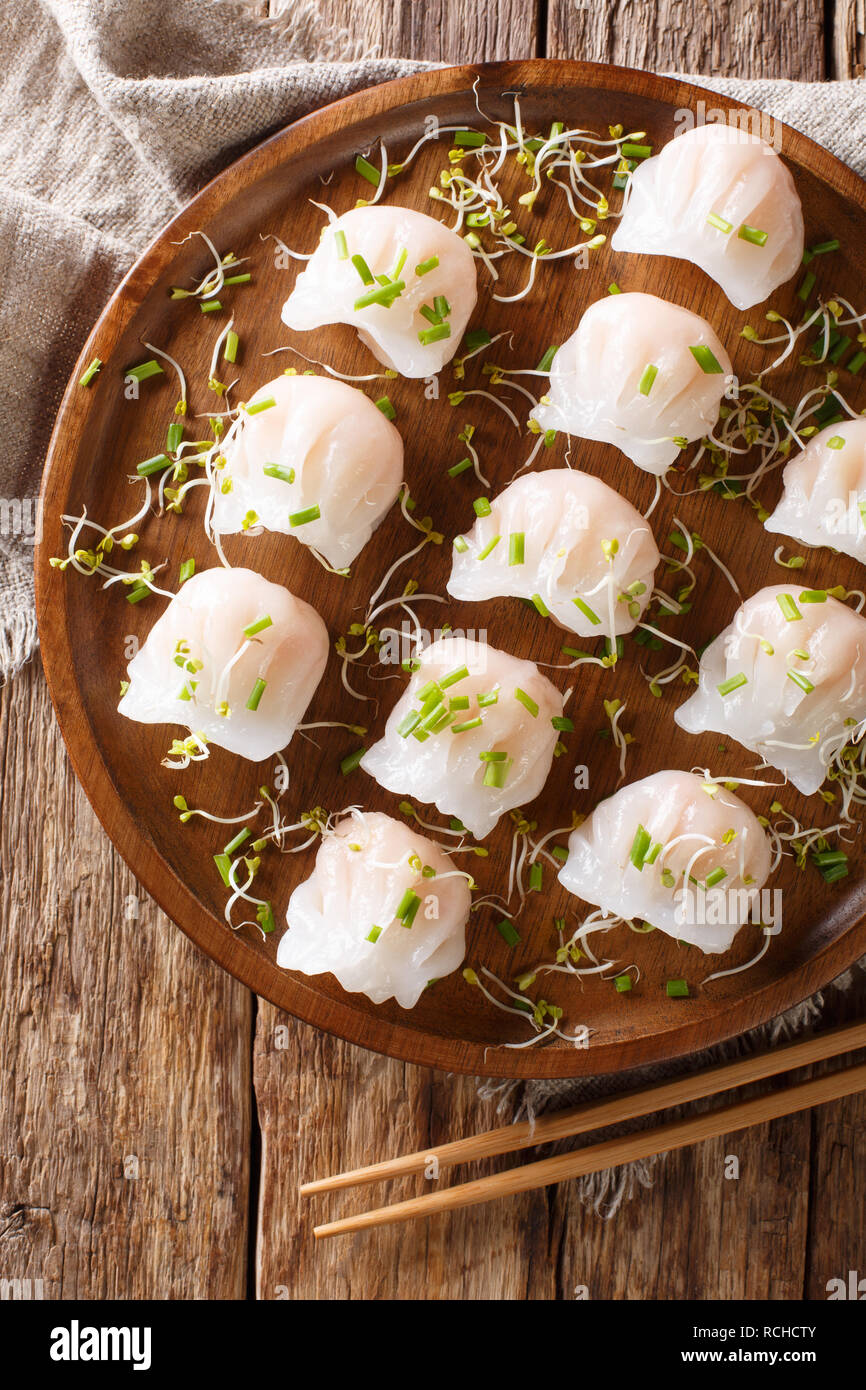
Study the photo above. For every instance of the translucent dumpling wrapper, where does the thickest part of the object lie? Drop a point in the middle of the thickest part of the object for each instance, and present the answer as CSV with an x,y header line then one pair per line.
x,y
721,198
321,463
233,657
824,502
557,537
398,243
639,373
471,734
636,855
373,915
786,679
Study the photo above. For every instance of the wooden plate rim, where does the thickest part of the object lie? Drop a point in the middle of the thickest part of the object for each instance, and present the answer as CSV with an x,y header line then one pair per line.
x,y
341,1017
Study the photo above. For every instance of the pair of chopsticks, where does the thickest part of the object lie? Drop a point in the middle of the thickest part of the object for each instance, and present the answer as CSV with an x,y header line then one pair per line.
x,y
609,1153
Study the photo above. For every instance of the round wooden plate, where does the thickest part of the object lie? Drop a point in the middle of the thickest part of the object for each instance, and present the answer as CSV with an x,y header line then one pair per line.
x,y
100,436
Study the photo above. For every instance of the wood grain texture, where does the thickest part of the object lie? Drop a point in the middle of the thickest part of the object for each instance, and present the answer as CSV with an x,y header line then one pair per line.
x,y
125,1124
439,30
848,46
723,38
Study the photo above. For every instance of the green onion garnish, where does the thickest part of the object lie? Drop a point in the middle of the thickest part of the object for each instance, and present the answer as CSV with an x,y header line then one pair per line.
x,y
470,139
239,839
489,547
458,674
307,515
258,626
426,266
144,370
622,983
492,755
527,701
706,359
807,286
813,596
187,570
340,241
381,294
367,170
408,908
154,465
90,372
715,877
788,607
363,270
803,681
210,306
373,934
137,593
540,606
720,224
256,407
547,360
230,347
256,694
456,469
476,338
284,475
613,288
516,548
563,723
488,697
458,702
752,234
586,611
648,376
387,409
732,683
441,306
509,933
466,725
173,436
427,336
536,877
630,151
481,506
837,442
496,774
677,989
351,761
224,864
640,847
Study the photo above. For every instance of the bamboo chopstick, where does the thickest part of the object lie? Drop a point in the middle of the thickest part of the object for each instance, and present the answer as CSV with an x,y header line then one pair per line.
x,y
612,1152
596,1114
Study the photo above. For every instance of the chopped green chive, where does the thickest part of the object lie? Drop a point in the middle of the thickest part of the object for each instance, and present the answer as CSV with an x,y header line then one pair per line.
x,y
90,372
540,606
509,933
516,548
715,877
458,674
387,409
258,626
837,442
461,544
210,306
425,267
187,570
256,694
586,611
527,701
640,847
470,139
283,475
305,516
560,852
547,360
803,681
154,465
489,547
458,702
720,223
807,286
488,697
824,246
477,338
367,170
456,469
224,864
230,347
373,934
363,270
813,596
496,774
144,370
427,336
137,593
613,288
677,989
563,723
788,607
441,306
340,242
351,761
492,755
408,908
706,359
622,983
381,294
630,151
648,376
536,878
256,407
732,683
752,234
466,725
239,839
173,436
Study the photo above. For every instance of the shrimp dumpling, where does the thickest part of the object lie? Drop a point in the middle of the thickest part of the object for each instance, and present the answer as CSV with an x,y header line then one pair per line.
x,y
384,911
427,264
639,373
786,679
652,848
471,734
308,444
233,657
721,198
560,536
824,502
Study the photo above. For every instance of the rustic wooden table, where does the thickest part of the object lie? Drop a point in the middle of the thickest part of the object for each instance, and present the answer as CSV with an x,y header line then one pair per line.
x,y
156,1119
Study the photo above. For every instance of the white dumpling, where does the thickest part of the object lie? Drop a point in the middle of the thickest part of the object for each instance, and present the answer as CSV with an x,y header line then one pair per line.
x,y
343,920
628,376
723,199
322,445
638,852
462,681
562,516
824,502
782,679
389,240
276,667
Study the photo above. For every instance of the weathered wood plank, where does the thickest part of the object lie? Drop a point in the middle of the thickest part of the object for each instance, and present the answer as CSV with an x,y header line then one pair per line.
x,y
439,30
125,1124
848,50
726,38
